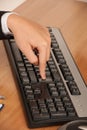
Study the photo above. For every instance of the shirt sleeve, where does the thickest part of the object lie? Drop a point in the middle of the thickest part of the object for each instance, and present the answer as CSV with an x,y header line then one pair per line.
x,y
4,26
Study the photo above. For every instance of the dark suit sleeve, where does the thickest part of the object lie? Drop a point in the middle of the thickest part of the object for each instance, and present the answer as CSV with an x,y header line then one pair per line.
x,y
2,36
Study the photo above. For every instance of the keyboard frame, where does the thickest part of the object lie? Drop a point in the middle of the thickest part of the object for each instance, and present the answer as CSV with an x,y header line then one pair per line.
x,y
52,122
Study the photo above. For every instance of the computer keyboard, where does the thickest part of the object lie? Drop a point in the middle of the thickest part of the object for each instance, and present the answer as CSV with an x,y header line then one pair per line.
x,y
58,99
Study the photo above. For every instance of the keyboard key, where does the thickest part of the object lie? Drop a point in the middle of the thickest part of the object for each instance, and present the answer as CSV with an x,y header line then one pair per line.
x,y
58,114
32,77
25,80
73,88
40,117
16,52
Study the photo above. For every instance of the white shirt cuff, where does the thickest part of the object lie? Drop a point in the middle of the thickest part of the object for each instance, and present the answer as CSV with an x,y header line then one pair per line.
x,y
4,18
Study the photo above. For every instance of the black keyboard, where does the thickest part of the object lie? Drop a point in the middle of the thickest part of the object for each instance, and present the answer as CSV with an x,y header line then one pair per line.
x,y
58,99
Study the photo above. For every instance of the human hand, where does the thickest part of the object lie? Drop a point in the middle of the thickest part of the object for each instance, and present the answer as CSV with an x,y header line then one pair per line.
x,y
30,35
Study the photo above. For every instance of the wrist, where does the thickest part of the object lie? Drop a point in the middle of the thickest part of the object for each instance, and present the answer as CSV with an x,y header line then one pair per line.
x,y
11,21
4,26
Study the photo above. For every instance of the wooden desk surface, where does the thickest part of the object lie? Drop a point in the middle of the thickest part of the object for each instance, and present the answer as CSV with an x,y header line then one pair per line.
x,y
68,15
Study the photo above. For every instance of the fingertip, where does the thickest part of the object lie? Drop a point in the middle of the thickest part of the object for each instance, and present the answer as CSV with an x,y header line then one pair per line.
x,y
42,70
43,75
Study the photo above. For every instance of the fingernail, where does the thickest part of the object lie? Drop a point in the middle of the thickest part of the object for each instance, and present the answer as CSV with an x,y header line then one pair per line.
x,y
43,76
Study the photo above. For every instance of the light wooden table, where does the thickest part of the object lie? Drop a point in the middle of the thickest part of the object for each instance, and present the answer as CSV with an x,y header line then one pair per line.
x,y
68,15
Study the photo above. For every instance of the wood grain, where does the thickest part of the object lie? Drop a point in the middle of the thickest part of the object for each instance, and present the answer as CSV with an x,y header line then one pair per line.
x,y
68,15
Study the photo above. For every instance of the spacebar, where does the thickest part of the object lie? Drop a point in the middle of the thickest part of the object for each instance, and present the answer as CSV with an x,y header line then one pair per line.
x,y
41,116
58,114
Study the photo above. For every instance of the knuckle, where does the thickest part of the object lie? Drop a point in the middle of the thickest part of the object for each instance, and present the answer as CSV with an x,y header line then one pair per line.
x,y
33,61
44,45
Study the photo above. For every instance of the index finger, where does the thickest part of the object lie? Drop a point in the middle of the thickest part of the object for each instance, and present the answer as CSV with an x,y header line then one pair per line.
x,y
42,61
